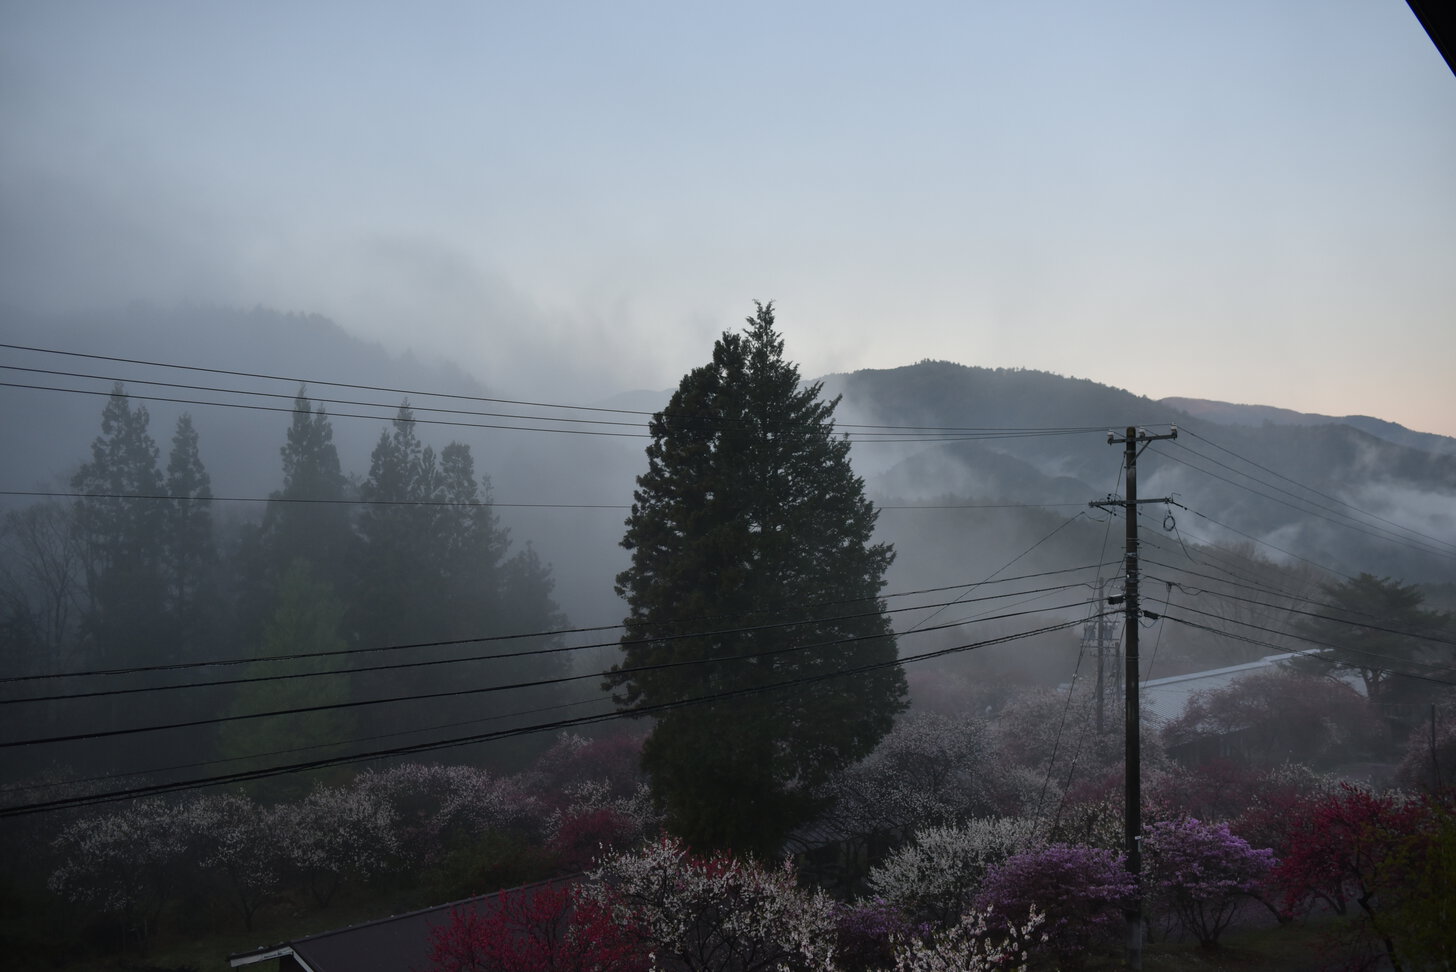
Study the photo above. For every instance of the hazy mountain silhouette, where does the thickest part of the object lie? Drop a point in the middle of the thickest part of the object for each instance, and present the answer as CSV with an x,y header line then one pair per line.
x,y
1227,413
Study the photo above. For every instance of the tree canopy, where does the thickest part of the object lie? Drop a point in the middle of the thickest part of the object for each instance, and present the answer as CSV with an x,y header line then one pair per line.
x,y
1379,629
754,585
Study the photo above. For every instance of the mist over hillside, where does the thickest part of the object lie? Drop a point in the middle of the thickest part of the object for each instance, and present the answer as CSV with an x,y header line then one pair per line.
x,y
574,488
1332,493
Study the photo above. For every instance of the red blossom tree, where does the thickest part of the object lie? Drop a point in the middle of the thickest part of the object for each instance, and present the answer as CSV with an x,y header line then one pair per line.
x,y
548,928
1391,855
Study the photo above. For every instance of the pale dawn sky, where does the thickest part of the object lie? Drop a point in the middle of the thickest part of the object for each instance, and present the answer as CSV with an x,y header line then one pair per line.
x,y
1248,201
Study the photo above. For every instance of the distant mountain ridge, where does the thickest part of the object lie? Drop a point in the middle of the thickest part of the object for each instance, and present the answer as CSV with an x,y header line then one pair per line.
x,y
1331,492
1228,413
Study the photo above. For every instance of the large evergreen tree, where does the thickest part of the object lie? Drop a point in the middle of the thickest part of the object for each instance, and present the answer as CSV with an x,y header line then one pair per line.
x,y
753,566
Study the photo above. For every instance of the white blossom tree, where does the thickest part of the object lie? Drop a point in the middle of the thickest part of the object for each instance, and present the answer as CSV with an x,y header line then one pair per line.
x,y
126,863
716,914
233,839
970,945
936,875
335,834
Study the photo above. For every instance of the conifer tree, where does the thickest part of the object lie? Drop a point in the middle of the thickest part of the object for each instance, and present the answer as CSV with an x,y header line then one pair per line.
x,y
189,550
753,567
120,523
436,568
307,519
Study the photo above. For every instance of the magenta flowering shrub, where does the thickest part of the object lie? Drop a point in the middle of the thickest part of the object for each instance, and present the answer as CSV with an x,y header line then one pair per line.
x,y
1081,890
1202,873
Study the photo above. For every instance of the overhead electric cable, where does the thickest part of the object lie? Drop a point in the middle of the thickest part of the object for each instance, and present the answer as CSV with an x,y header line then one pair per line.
x,y
1334,517
994,432
482,690
1299,651
1294,482
1352,622
553,632
534,652
654,709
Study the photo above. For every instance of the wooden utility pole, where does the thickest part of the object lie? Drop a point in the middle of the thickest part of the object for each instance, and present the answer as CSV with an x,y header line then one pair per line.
x,y
1132,719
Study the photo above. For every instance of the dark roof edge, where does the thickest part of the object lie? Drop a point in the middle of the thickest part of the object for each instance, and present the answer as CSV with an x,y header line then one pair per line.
x,y
265,952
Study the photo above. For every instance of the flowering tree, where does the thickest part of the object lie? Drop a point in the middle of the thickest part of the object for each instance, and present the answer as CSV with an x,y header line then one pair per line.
x,y
233,838
1280,716
125,863
972,945
938,873
547,928
715,914
611,763
1429,761
1384,853
1082,890
867,931
930,770
435,807
1201,872
596,820
336,833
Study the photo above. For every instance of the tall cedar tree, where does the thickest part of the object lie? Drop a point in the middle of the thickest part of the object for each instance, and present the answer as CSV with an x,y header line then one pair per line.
x,y
753,567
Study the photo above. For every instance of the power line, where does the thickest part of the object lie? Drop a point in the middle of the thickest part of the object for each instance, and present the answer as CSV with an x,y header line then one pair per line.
x,y
1376,656
647,710
1333,499
555,632
1404,633
473,504
455,693
506,656
868,429
335,744
1298,651
1422,544
163,497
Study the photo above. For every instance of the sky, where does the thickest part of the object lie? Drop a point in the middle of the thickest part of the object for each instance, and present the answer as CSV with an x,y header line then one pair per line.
x,y
1246,201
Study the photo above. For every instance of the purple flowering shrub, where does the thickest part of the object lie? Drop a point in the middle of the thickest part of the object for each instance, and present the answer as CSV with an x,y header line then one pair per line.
x,y
1202,872
867,930
1081,891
